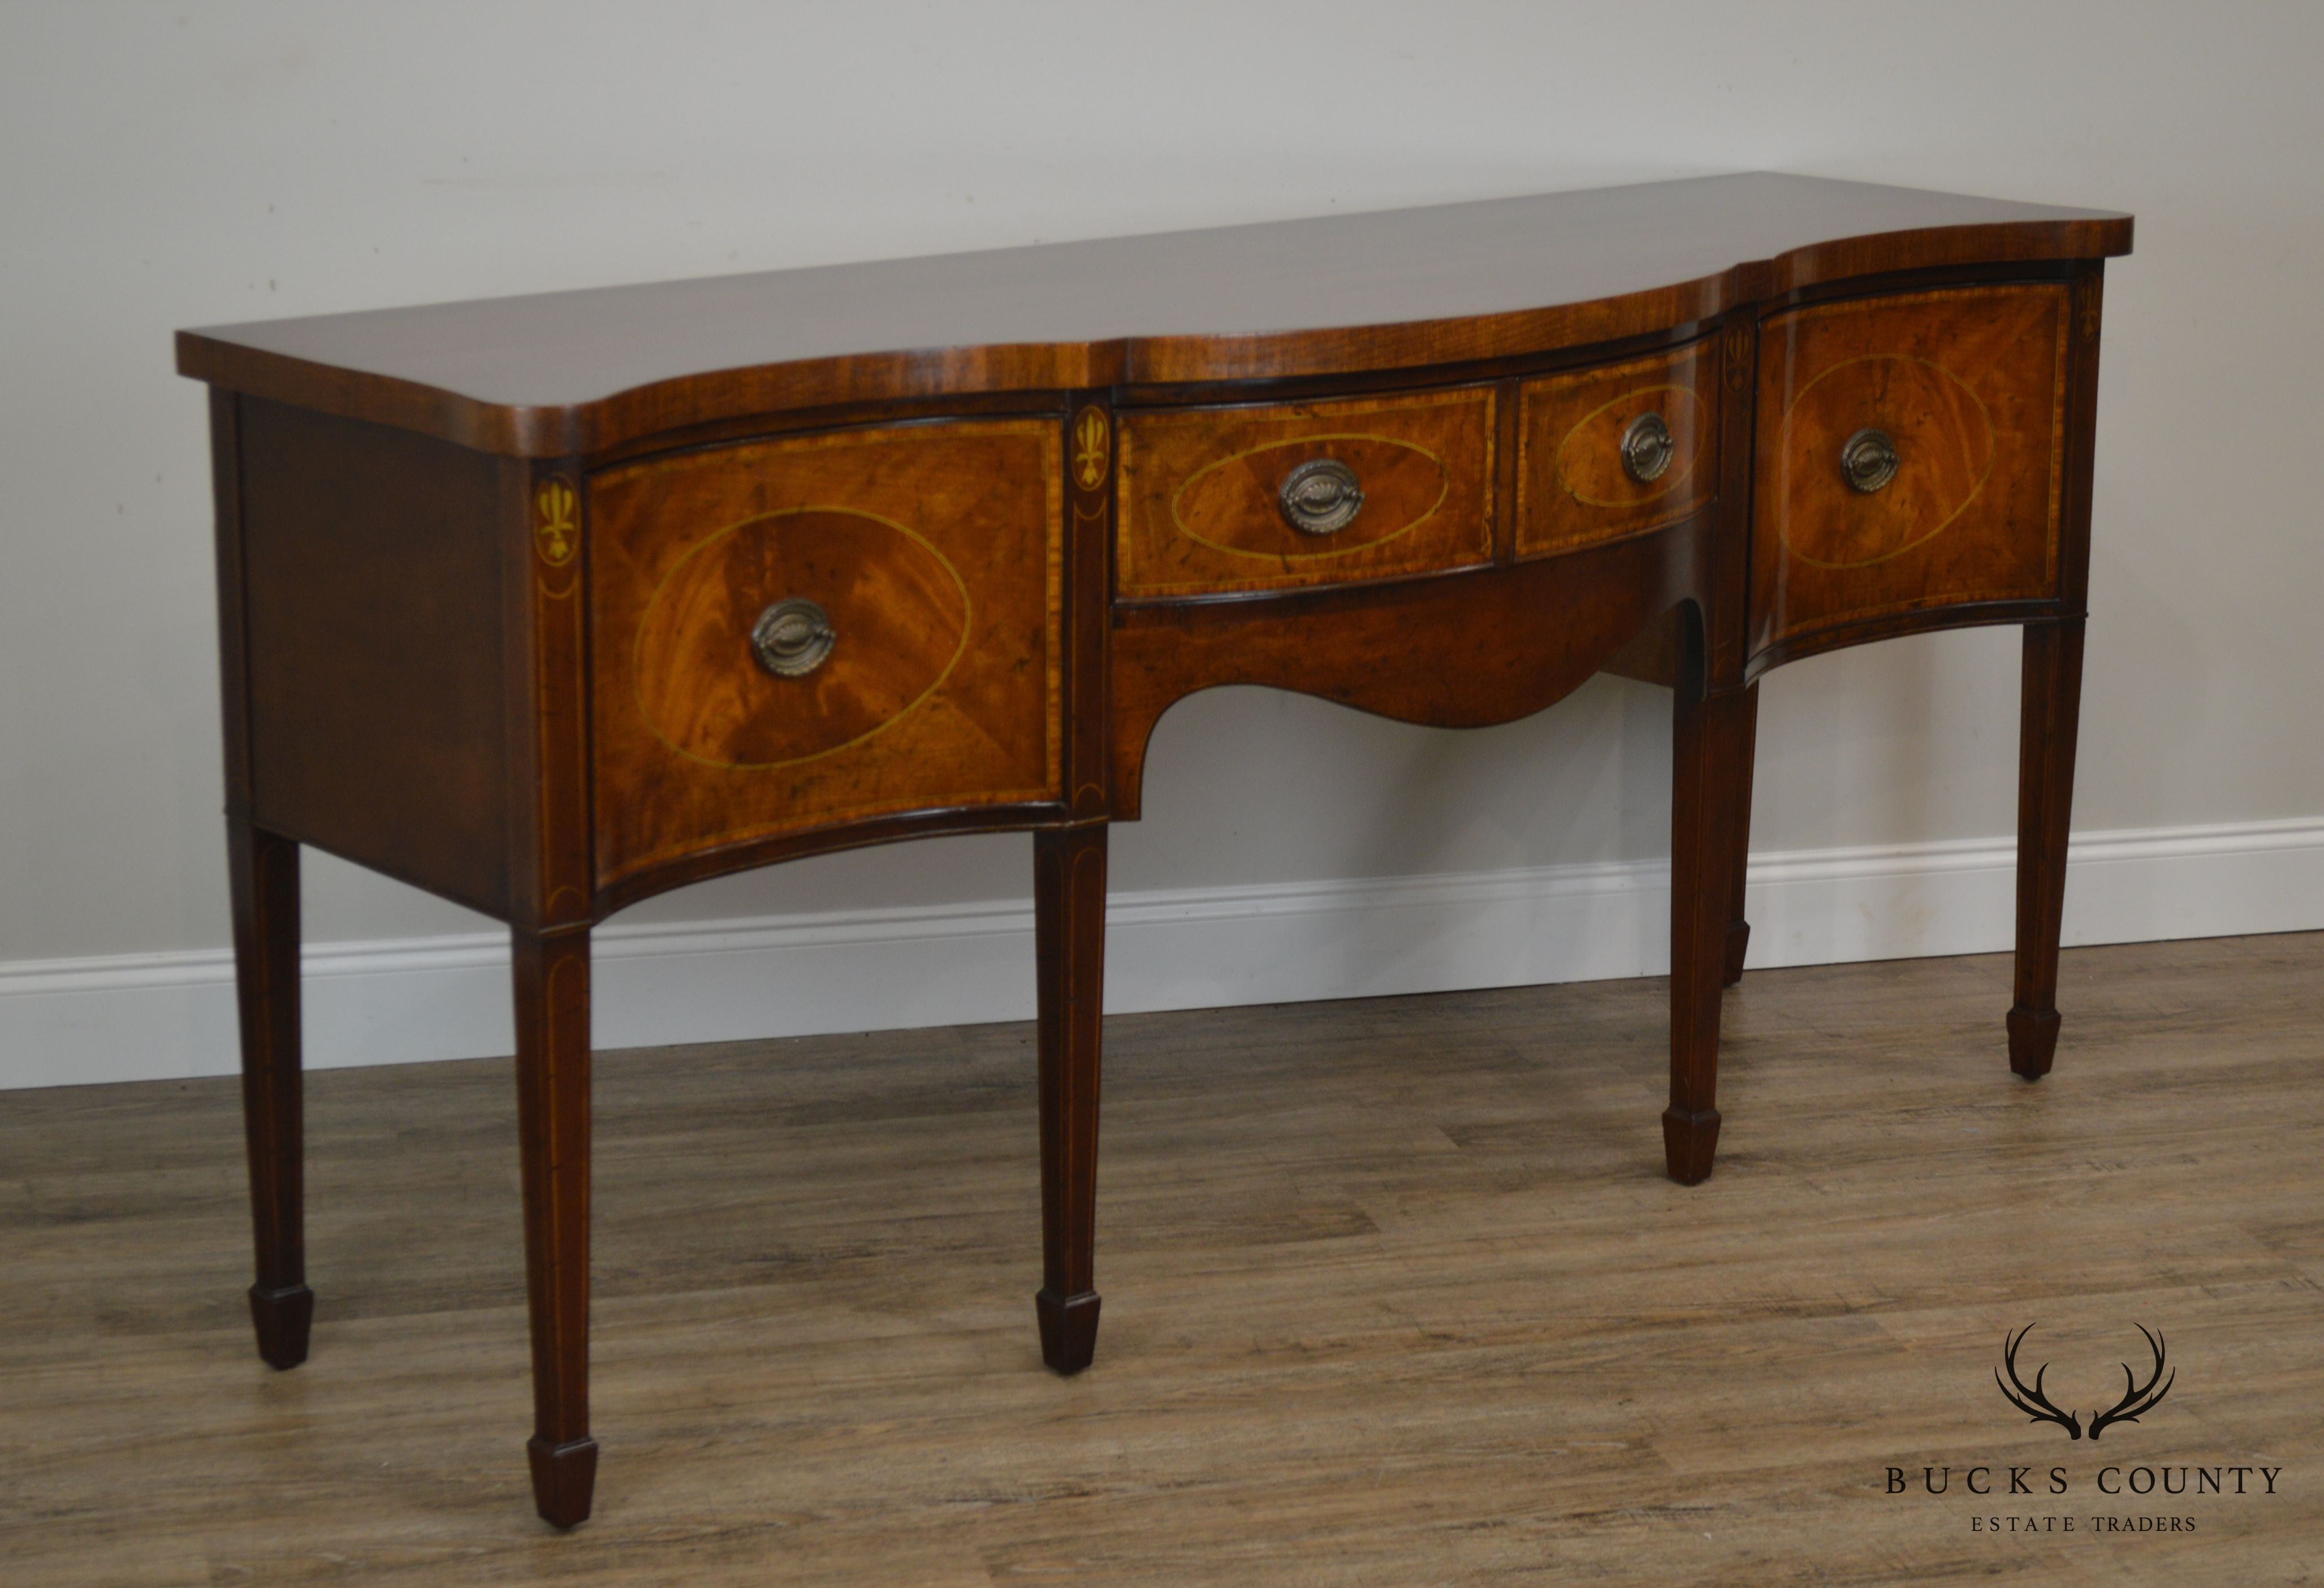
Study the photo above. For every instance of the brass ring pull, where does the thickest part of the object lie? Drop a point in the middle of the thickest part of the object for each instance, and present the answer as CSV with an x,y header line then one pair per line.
x,y
792,637
1647,448
1867,459
1321,496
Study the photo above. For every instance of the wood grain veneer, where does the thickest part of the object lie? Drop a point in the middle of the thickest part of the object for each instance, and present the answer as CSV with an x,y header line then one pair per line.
x,y
1571,486
1971,386
1200,515
937,552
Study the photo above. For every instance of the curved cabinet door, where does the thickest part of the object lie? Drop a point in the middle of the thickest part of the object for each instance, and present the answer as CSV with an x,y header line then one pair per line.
x,y
817,629
1908,459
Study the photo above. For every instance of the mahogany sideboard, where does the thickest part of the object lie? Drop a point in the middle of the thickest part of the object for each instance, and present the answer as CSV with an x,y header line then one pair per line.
x,y
548,603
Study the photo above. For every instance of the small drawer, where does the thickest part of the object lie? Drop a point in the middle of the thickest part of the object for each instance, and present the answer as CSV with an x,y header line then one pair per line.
x,y
1909,456
1291,494
1605,453
820,629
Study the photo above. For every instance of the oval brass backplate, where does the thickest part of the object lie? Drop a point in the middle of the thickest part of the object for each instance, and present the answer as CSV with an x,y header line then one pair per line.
x,y
792,637
1320,497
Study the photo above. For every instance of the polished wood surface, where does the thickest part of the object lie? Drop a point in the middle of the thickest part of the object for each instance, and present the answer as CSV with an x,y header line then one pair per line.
x,y
2048,724
371,617
553,1140
1739,930
568,372
1465,651
1705,832
1069,952
937,553
1200,492
545,702
1572,487
262,876
1393,1297
527,681
1970,385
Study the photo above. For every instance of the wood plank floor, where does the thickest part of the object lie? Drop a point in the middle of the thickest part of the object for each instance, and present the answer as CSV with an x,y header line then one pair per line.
x,y
1396,1293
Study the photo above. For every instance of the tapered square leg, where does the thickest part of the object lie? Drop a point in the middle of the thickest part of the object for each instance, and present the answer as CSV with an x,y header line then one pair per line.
x,y
1690,1144
2049,715
1706,737
283,1317
263,879
1069,945
564,1479
1739,930
552,1072
1069,1328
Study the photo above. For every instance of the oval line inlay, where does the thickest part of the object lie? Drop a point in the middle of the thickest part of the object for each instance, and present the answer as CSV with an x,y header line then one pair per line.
x,y
1444,489
1672,478
1993,446
637,658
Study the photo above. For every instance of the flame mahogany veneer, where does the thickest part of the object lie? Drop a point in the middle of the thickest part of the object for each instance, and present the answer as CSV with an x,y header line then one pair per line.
x,y
503,585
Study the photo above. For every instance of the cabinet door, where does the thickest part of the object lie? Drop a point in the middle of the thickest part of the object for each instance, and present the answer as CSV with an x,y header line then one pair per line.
x,y
1909,457
817,629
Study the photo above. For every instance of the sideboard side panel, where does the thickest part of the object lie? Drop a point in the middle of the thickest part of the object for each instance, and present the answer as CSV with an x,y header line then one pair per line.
x,y
234,660
370,568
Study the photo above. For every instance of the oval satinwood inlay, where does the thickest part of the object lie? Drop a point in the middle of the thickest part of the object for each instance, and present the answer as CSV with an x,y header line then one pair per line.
x,y
1943,442
1590,459
897,609
1234,505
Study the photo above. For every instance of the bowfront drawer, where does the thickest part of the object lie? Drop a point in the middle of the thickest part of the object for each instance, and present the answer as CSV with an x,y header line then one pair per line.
x,y
821,629
1909,456
1290,495
1605,453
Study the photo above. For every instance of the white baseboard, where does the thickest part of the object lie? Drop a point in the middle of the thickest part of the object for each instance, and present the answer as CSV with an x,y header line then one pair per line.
x,y
152,1017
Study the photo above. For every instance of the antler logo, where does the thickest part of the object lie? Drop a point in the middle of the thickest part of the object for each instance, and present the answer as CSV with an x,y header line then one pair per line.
x,y
2137,1399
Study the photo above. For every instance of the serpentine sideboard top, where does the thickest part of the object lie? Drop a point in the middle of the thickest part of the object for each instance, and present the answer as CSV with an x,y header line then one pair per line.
x,y
556,373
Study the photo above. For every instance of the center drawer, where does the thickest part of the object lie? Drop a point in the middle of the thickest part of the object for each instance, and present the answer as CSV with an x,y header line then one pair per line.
x,y
1282,496
1615,450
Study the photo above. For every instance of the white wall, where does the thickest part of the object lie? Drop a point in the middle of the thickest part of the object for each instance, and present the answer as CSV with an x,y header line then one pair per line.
x,y
168,165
